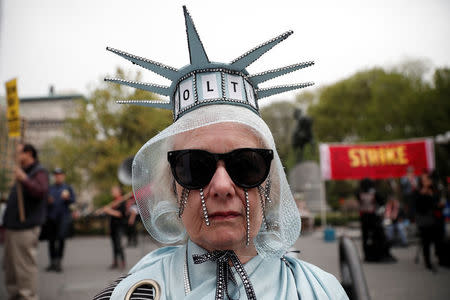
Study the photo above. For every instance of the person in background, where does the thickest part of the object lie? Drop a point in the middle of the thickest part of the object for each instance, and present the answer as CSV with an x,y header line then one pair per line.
x,y
409,184
428,218
446,209
117,212
375,245
133,215
59,218
21,236
393,217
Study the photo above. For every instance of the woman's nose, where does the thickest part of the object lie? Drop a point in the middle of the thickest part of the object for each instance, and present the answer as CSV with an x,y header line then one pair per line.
x,y
221,185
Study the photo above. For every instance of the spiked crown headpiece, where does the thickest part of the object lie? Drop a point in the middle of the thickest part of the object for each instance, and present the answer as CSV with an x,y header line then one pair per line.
x,y
203,82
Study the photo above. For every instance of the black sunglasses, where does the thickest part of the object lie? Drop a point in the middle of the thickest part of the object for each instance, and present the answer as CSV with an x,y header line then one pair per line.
x,y
194,169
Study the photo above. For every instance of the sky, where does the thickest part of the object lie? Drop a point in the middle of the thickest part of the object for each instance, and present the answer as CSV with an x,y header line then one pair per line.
x,y
62,43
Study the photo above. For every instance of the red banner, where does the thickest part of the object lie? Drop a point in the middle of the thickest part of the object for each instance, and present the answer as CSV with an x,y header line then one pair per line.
x,y
375,160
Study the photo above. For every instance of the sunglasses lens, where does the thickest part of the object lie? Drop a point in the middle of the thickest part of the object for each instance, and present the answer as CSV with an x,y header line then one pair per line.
x,y
248,168
194,169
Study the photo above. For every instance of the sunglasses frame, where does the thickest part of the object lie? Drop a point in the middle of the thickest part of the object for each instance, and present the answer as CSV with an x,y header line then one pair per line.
x,y
267,155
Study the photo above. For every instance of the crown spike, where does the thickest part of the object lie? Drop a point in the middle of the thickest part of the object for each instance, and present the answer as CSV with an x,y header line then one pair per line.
x,y
249,57
147,103
197,52
159,68
267,92
270,74
154,88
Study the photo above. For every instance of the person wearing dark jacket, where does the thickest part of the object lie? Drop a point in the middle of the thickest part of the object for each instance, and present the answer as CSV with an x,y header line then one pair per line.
x,y
117,213
375,245
21,236
428,217
59,218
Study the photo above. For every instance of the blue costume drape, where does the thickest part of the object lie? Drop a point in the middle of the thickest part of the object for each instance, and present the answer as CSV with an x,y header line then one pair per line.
x,y
271,278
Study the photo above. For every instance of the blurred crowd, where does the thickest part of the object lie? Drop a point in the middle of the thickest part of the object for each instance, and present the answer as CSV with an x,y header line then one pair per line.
x,y
41,205
398,212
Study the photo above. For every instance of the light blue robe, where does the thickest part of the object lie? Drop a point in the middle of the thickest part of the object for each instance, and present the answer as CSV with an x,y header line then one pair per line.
x,y
271,279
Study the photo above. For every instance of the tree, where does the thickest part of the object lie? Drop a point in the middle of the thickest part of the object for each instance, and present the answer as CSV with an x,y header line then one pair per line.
x,y
279,116
102,134
382,104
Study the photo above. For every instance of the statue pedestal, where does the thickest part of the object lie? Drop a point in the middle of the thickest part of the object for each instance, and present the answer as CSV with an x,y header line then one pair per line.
x,y
307,186
305,180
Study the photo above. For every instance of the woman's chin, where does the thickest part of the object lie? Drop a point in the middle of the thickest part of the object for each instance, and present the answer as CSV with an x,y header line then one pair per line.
x,y
225,240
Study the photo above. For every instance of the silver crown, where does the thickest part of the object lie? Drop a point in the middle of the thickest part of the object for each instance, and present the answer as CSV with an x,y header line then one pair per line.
x,y
203,82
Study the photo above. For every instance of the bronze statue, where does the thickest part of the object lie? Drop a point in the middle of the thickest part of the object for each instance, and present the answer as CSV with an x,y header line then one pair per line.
x,y
302,134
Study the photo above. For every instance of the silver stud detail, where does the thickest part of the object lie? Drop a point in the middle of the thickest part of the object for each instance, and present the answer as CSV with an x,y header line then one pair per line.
x,y
222,79
187,284
267,189
283,35
247,212
205,211
301,85
194,83
301,65
183,201
262,198
141,58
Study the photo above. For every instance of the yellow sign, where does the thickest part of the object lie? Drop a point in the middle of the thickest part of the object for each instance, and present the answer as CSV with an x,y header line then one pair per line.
x,y
12,112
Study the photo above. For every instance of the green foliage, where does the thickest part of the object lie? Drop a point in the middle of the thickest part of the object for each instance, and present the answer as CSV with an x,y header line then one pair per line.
x,y
279,116
382,105
339,189
102,134
305,98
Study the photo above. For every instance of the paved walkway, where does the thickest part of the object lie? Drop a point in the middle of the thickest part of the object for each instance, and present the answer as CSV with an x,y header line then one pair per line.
x,y
402,280
87,260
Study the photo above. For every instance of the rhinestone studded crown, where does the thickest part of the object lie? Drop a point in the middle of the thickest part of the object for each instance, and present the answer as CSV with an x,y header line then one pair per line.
x,y
203,82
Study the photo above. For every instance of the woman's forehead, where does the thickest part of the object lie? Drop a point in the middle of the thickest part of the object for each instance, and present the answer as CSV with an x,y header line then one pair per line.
x,y
225,136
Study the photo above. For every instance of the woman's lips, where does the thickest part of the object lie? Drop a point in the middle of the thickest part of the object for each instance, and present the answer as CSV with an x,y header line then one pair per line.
x,y
226,215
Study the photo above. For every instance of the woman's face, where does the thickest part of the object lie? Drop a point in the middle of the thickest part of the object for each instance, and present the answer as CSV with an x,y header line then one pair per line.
x,y
225,201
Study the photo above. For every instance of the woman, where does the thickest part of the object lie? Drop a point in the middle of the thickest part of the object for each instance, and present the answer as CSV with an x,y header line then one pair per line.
x,y
214,182
394,224
132,215
427,218
116,211
375,246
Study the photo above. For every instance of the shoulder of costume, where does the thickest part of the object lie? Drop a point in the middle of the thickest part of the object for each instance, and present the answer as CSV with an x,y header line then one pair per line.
x,y
320,281
306,267
151,269
154,257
